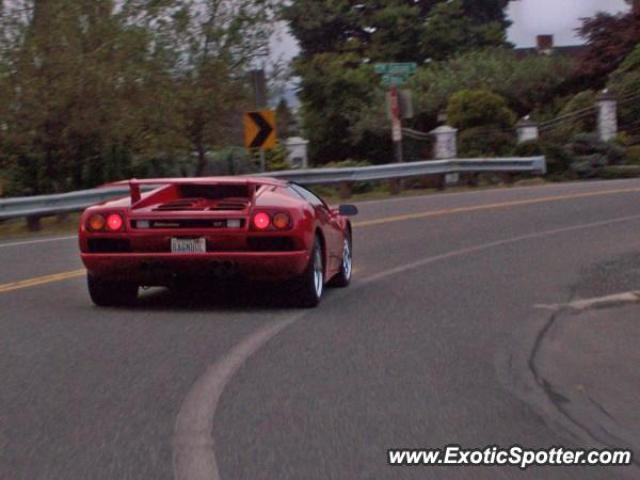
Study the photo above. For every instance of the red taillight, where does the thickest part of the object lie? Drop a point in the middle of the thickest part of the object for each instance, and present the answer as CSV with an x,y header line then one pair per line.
x,y
261,221
281,221
96,223
114,222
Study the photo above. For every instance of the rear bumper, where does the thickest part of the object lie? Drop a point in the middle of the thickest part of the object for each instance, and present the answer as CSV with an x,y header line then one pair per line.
x,y
160,268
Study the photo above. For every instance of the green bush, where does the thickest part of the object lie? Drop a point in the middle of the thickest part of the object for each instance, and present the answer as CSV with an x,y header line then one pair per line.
x,y
530,148
585,156
590,145
485,142
582,122
559,160
632,156
620,171
277,159
479,108
625,84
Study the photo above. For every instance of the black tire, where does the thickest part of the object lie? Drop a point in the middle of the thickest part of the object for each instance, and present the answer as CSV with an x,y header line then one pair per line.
x,y
309,286
109,293
343,277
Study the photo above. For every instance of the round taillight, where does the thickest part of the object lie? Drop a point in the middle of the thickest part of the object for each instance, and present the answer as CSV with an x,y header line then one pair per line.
x,y
114,222
281,221
96,223
261,221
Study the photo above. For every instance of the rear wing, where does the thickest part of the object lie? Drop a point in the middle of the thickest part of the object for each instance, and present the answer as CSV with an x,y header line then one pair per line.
x,y
135,185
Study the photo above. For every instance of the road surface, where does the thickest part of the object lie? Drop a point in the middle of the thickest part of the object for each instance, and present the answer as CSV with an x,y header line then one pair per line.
x,y
435,343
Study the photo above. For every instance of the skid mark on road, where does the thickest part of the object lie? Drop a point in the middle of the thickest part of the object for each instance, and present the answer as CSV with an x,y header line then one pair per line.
x,y
194,452
34,282
490,206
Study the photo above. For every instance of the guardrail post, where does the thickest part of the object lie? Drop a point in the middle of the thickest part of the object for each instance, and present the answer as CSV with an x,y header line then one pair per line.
x,y
508,178
344,190
471,179
395,186
33,224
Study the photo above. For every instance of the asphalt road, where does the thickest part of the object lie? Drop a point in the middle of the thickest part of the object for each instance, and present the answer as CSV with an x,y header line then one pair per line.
x,y
430,346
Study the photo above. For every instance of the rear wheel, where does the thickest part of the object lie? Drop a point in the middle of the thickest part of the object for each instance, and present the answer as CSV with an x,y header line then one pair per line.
x,y
109,293
343,277
311,284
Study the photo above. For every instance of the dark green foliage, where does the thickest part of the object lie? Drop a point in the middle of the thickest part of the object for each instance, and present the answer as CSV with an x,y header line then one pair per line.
x,y
525,84
625,84
610,39
396,30
559,161
451,29
479,108
342,100
338,94
585,156
485,142
632,156
531,148
620,171
277,159
92,92
578,115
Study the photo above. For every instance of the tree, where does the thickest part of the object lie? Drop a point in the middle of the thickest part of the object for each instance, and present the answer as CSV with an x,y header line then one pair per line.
x,y
285,119
625,84
94,91
336,95
525,83
479,108
610,38
457,26
339,41
391,30
216,44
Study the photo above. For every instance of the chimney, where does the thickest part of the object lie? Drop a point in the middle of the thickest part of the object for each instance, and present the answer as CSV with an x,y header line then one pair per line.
x,y
545,43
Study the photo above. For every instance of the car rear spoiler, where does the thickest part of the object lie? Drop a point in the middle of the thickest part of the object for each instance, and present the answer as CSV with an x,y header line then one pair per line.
x,y
136,193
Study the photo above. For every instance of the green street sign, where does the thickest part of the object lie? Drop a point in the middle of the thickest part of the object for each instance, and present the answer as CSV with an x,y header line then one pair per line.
x,y
395,74
396,69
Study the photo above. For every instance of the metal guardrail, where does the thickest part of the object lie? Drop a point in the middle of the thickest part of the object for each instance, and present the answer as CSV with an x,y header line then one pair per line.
x,y
44,205
534,165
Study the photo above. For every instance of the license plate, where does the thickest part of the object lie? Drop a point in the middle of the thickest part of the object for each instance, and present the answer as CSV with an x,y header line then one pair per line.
x,y
188,245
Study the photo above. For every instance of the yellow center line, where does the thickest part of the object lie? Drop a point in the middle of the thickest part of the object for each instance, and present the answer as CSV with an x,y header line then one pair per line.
x,y
33,282
489,206
57,277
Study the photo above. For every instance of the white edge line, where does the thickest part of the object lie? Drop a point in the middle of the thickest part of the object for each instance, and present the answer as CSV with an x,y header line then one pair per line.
x,y
33,242
193,449
194,455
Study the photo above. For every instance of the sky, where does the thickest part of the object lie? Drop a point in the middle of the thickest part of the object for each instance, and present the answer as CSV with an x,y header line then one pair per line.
x,y
530,18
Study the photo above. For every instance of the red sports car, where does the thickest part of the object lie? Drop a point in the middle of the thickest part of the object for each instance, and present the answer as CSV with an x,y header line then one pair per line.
x,y
204,228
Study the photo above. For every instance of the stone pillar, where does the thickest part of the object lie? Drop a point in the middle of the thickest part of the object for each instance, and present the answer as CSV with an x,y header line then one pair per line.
x,y
607,116
527,130
445,147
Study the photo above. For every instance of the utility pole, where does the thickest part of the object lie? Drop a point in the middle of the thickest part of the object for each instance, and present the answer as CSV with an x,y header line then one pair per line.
x,y
396,124
259,82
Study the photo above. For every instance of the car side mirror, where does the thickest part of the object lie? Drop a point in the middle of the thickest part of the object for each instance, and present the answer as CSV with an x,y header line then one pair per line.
x,y
348,210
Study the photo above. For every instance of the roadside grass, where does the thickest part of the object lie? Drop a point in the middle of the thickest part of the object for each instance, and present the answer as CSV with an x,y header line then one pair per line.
x,y
68,224
55,225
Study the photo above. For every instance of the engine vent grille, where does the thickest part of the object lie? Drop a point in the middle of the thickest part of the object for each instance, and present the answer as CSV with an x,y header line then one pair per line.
x,y
184,204
229,206
200,204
